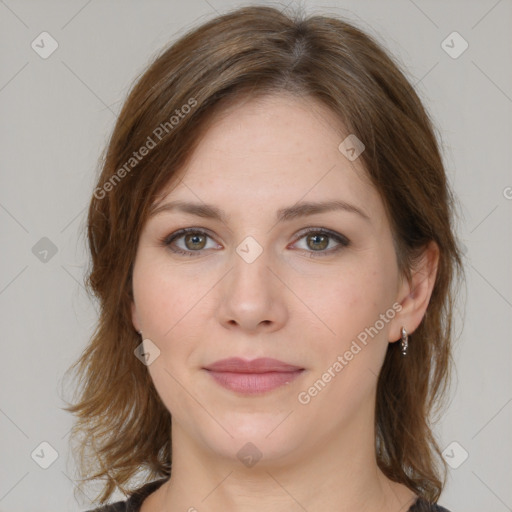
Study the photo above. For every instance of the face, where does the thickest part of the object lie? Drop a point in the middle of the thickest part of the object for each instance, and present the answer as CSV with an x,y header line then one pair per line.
x,y
315,290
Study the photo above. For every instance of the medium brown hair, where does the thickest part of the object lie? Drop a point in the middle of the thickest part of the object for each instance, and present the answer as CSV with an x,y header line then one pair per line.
x,y
122,425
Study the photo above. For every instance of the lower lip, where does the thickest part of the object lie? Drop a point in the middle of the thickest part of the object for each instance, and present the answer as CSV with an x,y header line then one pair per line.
x,y
253,383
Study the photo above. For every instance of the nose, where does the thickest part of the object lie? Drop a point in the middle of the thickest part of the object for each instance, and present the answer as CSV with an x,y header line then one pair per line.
x,y
252,297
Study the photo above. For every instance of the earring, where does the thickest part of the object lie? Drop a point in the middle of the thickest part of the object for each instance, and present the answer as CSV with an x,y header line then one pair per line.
x,y
405,341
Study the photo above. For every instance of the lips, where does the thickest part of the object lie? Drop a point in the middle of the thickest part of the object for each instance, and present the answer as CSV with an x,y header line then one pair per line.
x,y
252,377
261,365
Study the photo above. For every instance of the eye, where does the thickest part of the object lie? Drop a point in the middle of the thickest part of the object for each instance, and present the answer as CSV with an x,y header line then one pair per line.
x,y
195,241
318,239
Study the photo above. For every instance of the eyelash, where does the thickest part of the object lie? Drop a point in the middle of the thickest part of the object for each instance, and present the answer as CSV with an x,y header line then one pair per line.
x,y
342,240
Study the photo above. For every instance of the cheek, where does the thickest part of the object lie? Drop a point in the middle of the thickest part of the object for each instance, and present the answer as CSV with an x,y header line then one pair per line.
x,y
165,307
350,360
347,302
165,296
173,304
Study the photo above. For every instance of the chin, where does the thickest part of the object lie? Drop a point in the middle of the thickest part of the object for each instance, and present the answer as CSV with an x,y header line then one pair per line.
x,y
258,439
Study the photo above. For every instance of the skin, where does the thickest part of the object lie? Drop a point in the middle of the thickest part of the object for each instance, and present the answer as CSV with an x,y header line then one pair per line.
x,y
291,303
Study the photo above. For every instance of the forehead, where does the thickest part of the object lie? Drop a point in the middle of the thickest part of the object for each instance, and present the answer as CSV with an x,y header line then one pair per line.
x,y
273,149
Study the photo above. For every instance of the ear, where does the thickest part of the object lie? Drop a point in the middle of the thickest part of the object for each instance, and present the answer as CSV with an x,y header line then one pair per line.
x,y
135,318
414,295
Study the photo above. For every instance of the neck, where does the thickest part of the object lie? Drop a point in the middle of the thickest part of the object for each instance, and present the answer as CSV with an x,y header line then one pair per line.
x,y
344,474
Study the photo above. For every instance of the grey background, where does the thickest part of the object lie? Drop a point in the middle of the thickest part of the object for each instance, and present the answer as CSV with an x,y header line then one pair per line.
x,y
56,117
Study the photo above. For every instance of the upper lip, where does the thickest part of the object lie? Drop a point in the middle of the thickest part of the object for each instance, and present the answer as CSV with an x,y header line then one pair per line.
x,y
260,365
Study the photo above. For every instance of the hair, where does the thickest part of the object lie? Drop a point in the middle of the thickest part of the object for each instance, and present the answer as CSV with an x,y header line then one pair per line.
x,y
122,426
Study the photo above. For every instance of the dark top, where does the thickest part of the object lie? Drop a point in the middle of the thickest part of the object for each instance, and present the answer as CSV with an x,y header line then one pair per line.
x,y
134,502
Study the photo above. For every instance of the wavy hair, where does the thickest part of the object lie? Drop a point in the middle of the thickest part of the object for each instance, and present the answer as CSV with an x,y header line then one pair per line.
x,y
122,426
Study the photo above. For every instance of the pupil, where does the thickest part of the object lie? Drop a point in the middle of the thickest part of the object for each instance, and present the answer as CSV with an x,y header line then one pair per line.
x,y
194,239
323,245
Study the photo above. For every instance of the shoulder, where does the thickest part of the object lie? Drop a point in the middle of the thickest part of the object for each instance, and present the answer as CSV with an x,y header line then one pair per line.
x,y
119,506
421,505
134,502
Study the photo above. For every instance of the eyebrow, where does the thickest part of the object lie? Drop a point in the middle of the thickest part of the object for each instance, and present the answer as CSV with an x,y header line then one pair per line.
x,y
298,210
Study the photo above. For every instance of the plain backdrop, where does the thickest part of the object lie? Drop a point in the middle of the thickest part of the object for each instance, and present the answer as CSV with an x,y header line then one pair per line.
x,y
56,116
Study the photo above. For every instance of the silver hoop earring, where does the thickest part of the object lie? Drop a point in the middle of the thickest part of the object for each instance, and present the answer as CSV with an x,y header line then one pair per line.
x,y
405,341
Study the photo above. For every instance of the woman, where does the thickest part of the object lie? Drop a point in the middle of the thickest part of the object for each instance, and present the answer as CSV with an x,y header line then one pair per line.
x,y
273,252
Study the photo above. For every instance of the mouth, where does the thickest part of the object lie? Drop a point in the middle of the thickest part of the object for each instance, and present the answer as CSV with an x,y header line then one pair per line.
x,y
252,377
